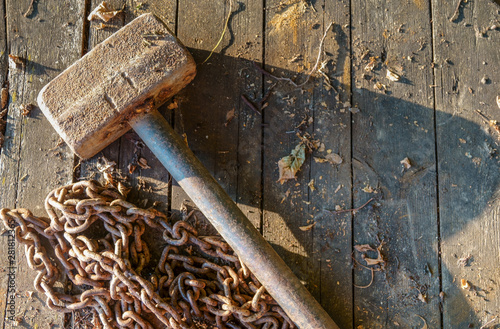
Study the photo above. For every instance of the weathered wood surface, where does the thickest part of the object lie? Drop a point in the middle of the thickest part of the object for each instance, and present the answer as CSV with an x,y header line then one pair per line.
x,y
320,256
427,116
392,125
220,129
467,74
31,162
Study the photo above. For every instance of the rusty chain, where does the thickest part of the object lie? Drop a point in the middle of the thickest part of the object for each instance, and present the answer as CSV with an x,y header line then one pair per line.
x,y
198,279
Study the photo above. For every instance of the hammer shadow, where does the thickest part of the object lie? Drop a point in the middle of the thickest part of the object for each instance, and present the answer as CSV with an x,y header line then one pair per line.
x,y
474,184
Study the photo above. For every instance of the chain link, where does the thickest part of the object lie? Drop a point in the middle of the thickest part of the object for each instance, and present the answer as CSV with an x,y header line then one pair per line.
x,y
198,279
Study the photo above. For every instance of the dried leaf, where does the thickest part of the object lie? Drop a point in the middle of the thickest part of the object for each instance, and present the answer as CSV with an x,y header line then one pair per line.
x,y
311,185
334,158
143,163
406,163
307,227
229,117
16,62
289,166
393,76
363,248
103,12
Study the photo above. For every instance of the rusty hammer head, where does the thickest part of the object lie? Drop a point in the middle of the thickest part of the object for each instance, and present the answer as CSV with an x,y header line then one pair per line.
x,y
91,102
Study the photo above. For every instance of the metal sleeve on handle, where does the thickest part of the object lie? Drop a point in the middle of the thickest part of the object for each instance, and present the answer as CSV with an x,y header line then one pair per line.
x,y
230,222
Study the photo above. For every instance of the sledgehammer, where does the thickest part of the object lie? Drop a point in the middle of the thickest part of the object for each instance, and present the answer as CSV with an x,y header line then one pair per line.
x,y
119,85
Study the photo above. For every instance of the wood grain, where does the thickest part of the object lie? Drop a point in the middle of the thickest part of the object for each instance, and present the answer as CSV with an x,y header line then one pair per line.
x,y
391,126
319,256
31,163
466,60
230,149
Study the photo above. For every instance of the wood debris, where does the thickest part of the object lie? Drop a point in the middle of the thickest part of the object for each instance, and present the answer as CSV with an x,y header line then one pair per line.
x,y
380,86
131,168
393,76
465,284
363,247
124,190
464,261
16,62
103,12
307,227
456,13
229,117
311,185
334,158
26,109
29,11
173,105
375,261
422,297
371,64
406,163
143,163
425,322
498,101
368,189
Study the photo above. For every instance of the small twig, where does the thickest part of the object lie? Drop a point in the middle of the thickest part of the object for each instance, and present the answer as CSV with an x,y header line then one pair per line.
x,y
490,122
266,96
223,32
29,11
250,104
367,286
315,67
351,210
456,13
489,322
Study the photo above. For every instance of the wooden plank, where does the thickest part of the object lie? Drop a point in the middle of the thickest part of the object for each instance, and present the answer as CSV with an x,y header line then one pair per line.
x,y
466,56
31,164
333,233
230,150
320,256
4,240
390,127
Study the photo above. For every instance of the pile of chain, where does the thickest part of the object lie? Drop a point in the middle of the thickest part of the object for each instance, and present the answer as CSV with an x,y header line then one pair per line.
x,y
197,281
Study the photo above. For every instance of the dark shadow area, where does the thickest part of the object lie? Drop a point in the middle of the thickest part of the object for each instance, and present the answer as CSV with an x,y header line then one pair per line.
x,y
474,181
